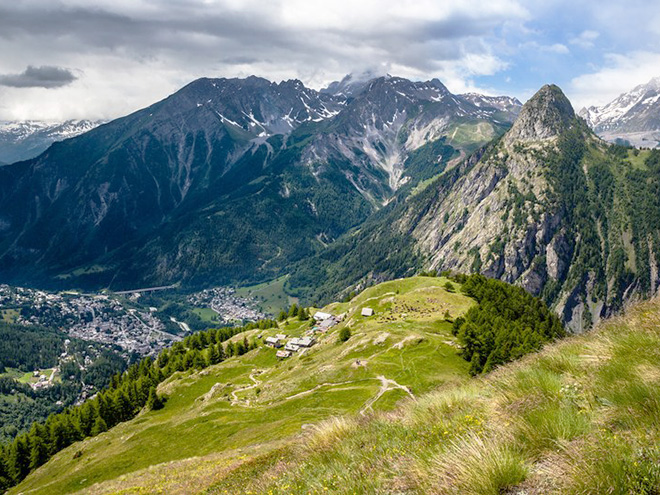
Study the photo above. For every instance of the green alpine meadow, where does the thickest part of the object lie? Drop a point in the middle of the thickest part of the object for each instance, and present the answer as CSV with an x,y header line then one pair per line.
x,y
294,247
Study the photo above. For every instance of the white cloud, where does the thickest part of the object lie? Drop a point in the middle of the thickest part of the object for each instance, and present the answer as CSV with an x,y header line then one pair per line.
x,y
620,73
130,53
557,48
586,39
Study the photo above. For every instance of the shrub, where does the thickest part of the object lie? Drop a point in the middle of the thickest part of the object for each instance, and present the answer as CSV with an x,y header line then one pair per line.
x,y
344,334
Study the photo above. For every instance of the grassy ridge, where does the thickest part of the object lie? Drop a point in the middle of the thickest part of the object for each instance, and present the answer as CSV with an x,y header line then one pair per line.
x,y
248,405
580,417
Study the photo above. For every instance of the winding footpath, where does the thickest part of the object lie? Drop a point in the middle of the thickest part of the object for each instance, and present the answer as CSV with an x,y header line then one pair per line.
x,y
235,401
385,385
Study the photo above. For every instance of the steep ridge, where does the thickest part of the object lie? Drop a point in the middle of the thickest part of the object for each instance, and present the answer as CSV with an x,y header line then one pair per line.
x,y
176,191
549,206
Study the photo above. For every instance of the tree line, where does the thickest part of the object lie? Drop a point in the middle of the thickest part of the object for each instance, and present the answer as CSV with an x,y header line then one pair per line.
x,y
127,394
507,323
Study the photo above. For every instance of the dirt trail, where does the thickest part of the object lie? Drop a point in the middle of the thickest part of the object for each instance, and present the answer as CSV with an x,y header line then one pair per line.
x,y
307,392
385,385
235,401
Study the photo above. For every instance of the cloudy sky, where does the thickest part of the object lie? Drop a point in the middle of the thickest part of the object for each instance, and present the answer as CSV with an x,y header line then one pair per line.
x,y
63,59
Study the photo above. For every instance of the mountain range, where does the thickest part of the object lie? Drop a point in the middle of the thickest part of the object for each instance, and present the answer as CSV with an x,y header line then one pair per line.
x,y
28,139
239,181
548,206
340,195
632,118
230,180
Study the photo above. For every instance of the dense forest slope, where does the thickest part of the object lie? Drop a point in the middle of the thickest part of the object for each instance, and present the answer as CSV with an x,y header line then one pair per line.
x,y
549,206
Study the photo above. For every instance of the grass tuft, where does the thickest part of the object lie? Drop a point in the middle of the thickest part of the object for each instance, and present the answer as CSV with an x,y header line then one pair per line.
x,y
481,466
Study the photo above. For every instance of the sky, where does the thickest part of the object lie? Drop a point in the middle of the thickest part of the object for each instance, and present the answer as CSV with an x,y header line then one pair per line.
x,y
101,59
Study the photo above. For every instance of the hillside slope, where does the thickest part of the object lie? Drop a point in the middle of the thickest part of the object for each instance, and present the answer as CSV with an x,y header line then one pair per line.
x,y
581,417
254,402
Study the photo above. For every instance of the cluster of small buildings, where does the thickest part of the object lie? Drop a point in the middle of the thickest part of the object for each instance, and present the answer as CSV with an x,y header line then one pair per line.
x,y
42,380
134,331
292,346
94,317
229,306
323,323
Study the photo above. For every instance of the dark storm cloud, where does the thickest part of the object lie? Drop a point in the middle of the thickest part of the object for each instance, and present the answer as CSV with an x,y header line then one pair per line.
x,y
39,77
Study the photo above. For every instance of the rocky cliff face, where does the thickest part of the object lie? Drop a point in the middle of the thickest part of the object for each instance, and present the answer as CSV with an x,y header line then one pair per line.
x,y
549,206
544,208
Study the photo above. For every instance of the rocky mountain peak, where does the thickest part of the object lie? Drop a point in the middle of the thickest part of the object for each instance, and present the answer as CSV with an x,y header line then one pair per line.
x,y
545,115
633,117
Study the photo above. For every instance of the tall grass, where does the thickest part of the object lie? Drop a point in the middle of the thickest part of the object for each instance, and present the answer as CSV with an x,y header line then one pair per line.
x,y
480,466
581,417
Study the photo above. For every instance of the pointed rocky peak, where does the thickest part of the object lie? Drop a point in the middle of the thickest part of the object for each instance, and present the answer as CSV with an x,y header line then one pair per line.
x,y
545,115
435,82
352,84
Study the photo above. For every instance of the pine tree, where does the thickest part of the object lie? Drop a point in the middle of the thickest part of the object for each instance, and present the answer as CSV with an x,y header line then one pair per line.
x,y
239,348
38,452
344,334
163,359
86,418
188,360
282,316
293,310
18,461
123,406
221,352
198,360
154,403
5,481
99,426
214,355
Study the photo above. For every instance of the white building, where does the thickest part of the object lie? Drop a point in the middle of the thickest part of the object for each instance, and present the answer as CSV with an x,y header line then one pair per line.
x,y
367,312
320,316
291,347
306,342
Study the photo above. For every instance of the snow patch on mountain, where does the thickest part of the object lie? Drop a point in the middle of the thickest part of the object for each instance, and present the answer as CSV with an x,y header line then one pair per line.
x,y
632,117
27,139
